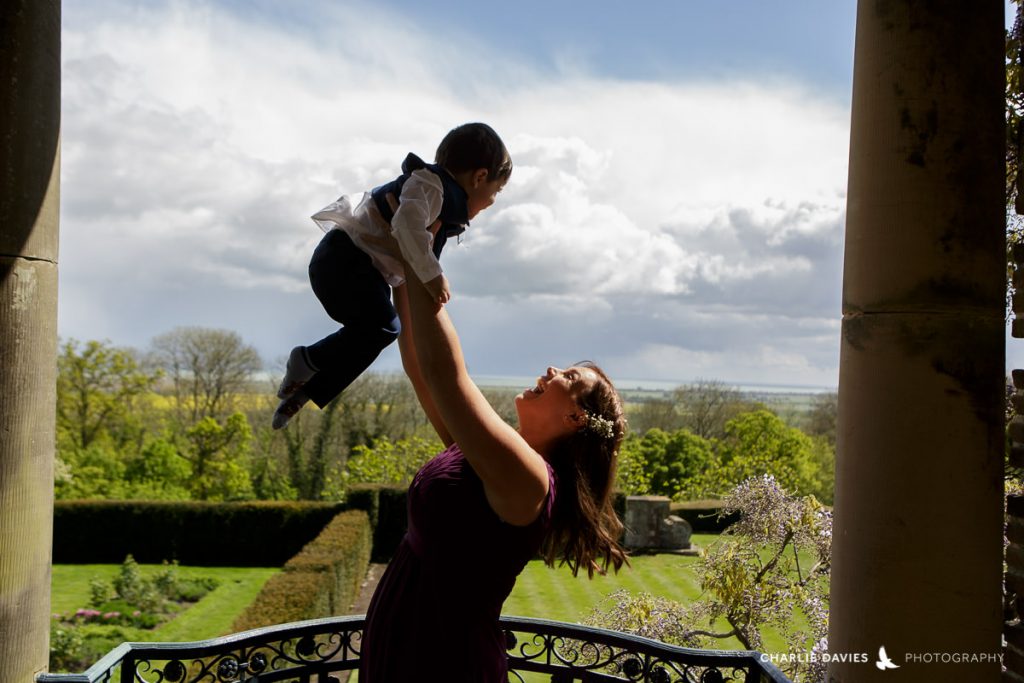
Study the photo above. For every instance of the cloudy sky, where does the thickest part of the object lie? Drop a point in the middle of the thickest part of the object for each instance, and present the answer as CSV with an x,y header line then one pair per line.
x,y
676,209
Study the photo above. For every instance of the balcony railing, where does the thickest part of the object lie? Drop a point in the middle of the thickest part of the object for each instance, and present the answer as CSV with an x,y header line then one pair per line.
x,y
318,651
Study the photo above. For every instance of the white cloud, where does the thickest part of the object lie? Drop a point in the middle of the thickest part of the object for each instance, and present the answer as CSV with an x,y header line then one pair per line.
x,y
640,216
753,364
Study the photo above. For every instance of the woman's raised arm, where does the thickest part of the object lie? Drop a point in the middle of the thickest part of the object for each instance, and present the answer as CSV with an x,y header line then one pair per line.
x,y
514,475
411,365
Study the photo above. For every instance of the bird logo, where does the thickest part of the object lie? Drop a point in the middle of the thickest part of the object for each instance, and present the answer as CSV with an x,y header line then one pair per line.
x,y
884,662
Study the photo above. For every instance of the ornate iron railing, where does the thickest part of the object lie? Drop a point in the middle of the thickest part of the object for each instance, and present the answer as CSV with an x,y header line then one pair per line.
x,y
318,651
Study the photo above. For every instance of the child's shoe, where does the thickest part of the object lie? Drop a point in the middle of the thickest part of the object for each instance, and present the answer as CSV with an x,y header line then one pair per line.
x,y
297,372
287,409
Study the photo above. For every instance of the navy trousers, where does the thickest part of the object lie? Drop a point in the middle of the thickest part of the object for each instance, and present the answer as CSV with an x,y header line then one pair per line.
x,y
355,294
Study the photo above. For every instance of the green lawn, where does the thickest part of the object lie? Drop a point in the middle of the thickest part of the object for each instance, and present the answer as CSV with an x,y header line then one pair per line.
x,y
554,594
208,618
539,592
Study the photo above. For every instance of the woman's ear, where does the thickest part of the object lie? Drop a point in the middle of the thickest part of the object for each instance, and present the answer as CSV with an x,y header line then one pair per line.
x,y
576,420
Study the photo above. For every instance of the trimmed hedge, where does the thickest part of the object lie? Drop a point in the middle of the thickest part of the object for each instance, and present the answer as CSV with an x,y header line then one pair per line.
x,y
388,511
322,580
254,534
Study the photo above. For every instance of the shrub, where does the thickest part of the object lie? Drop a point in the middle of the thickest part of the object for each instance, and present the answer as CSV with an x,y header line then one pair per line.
x,y
386,507
323,579
67,648
255,534
752,578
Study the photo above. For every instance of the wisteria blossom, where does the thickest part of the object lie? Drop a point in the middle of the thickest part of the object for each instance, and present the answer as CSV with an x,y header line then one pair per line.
x,y
771,563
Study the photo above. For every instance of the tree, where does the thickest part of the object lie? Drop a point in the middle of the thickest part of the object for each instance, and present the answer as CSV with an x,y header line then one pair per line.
x,y
759,443
632,476
821,421
707,405
776,559
672,463
157,472
218,453
318,443
207,368
379,405
97,386
94,472
387,462
655,413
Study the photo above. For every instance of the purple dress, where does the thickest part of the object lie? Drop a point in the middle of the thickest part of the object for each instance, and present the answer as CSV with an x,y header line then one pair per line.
x,y
434,615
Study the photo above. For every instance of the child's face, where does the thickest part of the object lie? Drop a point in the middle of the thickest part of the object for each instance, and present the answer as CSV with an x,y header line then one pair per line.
x,y
482,192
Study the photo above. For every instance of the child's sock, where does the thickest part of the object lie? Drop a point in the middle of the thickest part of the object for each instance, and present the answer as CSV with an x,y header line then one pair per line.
x,y
297,372
287,409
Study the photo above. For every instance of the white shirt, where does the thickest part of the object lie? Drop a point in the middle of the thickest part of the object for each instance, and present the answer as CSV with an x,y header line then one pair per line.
x,y
418,207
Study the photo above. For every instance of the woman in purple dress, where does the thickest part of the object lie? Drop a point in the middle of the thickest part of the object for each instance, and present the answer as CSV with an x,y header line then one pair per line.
x,y
487,504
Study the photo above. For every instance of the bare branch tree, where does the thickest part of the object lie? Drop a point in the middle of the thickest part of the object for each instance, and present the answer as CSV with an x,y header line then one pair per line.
x,y
207,368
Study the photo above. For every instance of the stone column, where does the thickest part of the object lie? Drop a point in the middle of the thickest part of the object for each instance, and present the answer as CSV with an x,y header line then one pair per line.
x,y
29,163
917,551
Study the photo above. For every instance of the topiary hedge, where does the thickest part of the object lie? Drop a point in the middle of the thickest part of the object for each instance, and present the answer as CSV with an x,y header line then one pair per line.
x,y
254,534
322,580
386,506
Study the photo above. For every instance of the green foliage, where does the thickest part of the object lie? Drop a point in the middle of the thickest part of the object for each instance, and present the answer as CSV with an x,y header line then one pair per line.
x,y
387,509
315,448
323,579
632,476
67,648
665,464
211,616
130,593
773,563
760,443
99,471
96,471
99,591
683,465
254,534
157,472
129,586
97,387
124,608
388,462
219,453
824,413
685,458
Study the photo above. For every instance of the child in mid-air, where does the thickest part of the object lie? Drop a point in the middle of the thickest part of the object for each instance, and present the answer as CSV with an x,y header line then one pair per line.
x,y
355,267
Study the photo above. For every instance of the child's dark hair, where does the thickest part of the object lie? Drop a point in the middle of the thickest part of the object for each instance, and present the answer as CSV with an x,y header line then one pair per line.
x,y
472,146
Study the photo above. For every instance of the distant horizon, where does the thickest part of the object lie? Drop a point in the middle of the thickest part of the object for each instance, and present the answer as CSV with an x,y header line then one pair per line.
x,y
632,383
621,383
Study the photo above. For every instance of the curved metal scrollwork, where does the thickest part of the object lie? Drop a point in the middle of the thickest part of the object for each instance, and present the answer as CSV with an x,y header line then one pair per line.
x,y
563,652
573,652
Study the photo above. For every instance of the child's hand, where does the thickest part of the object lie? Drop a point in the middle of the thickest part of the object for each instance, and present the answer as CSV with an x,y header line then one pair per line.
x,y
438,289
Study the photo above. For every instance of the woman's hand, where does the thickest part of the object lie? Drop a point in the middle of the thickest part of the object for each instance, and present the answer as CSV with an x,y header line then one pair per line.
x,y
438,289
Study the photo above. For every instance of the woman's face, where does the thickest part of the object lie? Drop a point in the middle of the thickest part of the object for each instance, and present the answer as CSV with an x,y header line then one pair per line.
x,y
548,409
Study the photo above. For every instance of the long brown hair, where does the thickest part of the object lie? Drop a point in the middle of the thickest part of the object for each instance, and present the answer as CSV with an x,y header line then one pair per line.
x,y
584,527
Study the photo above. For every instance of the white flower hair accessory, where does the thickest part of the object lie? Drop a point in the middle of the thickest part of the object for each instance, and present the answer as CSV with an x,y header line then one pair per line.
x,y
598,425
